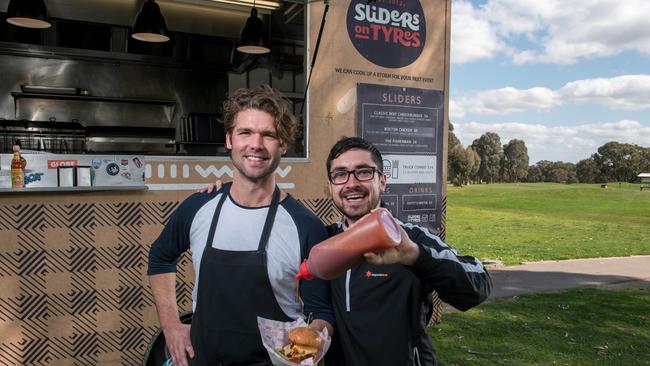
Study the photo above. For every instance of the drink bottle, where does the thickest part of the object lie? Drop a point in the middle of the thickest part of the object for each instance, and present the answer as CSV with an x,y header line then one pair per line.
x,y
330,258
17,169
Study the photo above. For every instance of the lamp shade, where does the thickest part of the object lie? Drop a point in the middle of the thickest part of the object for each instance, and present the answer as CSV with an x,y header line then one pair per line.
x,y
253,36
28,14
150,25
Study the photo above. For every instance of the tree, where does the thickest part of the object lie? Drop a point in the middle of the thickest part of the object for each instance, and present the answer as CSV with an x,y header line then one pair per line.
x,y
488,147
620,162
535,174
463,164
545,168
561,172
645,156
558,175
587,171
552,171
456,164
452,140
514,163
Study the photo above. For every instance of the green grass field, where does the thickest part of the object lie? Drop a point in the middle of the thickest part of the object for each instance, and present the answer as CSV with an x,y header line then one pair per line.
x,y
580,327
547,221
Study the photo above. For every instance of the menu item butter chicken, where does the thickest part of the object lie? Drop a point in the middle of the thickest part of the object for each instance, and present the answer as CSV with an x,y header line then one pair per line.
x,y
305,343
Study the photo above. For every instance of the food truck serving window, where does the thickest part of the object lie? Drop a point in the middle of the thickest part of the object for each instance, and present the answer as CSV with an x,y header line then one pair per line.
x,y
89,87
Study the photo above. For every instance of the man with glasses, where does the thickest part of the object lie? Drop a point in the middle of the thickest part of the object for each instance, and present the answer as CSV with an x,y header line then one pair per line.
x,y
382,305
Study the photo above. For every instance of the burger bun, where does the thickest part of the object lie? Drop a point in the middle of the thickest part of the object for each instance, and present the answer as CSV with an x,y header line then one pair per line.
x,y
305,337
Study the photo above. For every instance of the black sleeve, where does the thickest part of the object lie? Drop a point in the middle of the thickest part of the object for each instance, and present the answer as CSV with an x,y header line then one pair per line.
x,y
315,293
461,281
175,236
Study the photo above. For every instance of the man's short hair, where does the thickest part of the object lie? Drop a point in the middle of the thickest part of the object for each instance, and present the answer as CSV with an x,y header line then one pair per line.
x,y
351,143
266,99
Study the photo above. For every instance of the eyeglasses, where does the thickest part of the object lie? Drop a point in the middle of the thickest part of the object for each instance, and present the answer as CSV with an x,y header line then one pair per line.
x,y
361,174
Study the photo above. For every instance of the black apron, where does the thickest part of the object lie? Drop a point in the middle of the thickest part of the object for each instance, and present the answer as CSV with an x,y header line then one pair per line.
x,y
234,289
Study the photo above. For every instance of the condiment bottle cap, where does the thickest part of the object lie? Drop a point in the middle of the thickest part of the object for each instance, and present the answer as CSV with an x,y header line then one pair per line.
x,y
303,272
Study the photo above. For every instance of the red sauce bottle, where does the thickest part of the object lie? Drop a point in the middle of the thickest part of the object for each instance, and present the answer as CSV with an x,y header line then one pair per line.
x,y
332,257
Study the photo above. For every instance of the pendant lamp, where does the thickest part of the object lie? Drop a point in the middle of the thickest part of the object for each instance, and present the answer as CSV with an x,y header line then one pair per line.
x,y
253,37
150,25
28,14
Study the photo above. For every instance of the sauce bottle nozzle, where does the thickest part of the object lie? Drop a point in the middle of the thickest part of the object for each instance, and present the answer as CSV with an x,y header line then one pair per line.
x,y
303,272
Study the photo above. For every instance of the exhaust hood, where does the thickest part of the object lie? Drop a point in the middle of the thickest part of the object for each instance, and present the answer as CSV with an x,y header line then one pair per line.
x,y
186,16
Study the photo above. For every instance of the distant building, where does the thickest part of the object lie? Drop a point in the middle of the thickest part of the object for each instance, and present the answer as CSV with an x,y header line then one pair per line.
x,y
645,180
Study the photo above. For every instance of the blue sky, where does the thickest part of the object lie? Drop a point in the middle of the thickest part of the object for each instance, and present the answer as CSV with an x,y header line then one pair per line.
x,y
565,77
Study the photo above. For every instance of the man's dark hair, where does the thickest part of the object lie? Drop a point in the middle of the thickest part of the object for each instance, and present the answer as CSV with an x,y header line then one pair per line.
x,y
354,143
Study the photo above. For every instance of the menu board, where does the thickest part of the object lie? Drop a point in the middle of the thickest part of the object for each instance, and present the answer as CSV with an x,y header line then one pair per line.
x,y
407,126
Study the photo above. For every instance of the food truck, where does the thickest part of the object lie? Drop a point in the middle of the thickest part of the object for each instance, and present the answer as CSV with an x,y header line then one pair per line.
x,y
115,132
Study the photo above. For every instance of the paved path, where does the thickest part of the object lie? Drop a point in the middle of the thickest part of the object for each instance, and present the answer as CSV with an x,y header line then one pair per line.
x,y
552,276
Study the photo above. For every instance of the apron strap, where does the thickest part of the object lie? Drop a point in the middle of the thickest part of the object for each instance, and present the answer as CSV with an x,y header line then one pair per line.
x,y
268,224
270,218
225,189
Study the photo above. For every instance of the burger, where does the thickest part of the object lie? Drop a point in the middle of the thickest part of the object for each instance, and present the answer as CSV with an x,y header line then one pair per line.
x,y
304,343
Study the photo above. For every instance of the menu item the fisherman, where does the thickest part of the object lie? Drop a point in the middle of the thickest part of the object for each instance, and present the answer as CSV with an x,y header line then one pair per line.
x,y
304,343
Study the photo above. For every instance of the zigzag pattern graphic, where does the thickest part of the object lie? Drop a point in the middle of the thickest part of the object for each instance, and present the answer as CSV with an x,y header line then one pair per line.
x,y
438,307
323,208
443,219
6,215
67,285
70,278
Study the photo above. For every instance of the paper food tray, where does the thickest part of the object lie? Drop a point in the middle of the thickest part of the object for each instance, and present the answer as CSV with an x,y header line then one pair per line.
x,y
275,336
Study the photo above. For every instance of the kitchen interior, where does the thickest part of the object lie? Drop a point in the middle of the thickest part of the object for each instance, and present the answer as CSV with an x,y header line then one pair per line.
x,y
87,77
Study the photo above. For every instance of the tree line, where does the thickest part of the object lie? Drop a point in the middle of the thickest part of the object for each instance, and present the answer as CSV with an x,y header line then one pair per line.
x,y
487,161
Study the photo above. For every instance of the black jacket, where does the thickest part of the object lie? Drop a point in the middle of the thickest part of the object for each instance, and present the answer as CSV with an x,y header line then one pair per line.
x,y
382,311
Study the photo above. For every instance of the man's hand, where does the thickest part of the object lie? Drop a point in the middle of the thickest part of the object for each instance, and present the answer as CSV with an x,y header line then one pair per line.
x,y
319,324
177,334
217,185
406,252
177,339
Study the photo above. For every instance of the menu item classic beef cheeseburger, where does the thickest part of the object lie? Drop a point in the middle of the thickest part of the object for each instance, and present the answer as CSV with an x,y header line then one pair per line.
x,y
305,343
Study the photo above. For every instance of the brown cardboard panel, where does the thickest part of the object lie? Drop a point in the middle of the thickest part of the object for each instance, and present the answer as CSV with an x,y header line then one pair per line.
x,y
149,233
150,316
59,282
104,236
63,325
57,239
110,320
107,278
10,287
11,331
109,358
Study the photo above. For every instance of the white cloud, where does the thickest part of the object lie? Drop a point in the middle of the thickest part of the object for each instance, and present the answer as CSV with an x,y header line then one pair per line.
x,y
565,143
472,37
456,109
517,17
630,92
626,92
557,31
509,100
